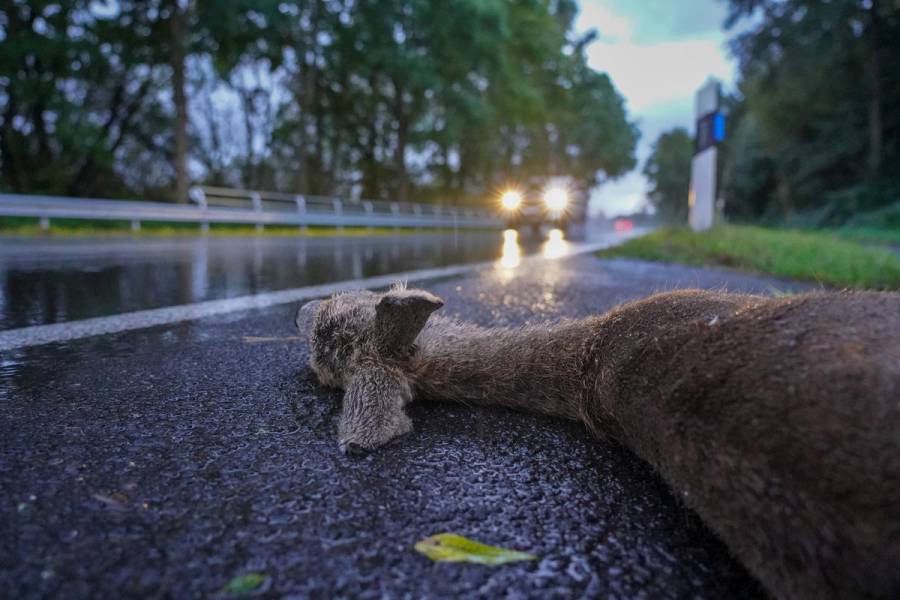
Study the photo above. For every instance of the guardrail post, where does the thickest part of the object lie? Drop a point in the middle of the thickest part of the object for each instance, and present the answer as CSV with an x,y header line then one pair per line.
x,y
417,209
45,223
301,210
369,208
135,225
339,212
256,199
455,212
395,210
198,196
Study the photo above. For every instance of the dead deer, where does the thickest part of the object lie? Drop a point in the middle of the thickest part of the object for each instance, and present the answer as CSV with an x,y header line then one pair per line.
x,y
777,420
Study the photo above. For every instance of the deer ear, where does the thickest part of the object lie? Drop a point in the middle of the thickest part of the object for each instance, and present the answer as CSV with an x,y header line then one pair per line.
x,y
400,315
306,317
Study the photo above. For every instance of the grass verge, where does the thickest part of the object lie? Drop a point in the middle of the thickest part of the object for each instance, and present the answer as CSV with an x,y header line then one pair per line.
x,y
870,234
822,257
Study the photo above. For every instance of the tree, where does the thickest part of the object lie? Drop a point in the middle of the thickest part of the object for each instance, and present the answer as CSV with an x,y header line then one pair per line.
x,y
179,16
668,170
78,88
749,180
384,99
820,93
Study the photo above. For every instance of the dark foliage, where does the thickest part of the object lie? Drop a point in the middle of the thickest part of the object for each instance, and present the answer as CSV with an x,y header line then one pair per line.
x,y
400,99
816,126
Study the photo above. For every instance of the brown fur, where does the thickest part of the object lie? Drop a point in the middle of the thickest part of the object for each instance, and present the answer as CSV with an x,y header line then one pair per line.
x,y
776,420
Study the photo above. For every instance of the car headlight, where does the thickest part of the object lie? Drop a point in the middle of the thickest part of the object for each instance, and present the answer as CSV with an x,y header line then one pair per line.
x,y
556,199
511,200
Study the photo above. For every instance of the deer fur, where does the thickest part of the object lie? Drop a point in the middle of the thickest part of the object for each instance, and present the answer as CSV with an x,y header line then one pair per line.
x,y
777,420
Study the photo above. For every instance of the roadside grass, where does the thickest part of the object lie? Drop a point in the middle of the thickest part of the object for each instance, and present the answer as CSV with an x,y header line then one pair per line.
x,y
25,226
869,234
822,257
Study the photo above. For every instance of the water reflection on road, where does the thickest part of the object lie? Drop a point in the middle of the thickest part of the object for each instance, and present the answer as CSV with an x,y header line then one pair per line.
x,y
510,252
556,245
51,280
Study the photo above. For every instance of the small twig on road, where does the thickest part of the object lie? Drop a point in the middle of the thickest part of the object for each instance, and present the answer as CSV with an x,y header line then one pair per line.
x,y
255,339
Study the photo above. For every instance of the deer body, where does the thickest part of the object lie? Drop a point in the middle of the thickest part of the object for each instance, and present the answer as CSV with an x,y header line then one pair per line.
x,y
776,420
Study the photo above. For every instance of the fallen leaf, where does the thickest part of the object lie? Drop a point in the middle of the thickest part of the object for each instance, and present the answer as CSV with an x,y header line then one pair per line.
x,y
449,547
243,584
257,339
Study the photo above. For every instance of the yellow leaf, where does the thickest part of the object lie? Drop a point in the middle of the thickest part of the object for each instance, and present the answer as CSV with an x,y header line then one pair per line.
x,y
449,547
243,584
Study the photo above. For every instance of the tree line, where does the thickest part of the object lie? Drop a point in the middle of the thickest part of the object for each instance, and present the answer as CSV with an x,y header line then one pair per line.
x,y
814,125
386,99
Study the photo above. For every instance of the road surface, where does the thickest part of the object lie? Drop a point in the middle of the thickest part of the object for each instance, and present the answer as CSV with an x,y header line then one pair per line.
x,y
163,462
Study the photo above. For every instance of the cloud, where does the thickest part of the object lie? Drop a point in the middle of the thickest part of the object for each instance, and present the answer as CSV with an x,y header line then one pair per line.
x,y
648,75
611,26
661,20
650,69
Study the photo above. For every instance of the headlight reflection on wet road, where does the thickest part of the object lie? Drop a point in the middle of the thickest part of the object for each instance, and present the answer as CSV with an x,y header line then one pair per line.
x,y
510,252
556,245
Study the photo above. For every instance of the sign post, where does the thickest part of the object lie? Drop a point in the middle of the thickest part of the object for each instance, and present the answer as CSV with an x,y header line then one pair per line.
x,y
710,133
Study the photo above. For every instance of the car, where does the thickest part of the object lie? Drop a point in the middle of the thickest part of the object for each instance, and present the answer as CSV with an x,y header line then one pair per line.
x,y
550,204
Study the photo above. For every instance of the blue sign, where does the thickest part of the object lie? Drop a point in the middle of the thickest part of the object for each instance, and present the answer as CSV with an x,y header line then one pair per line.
x,y
710,131
719,127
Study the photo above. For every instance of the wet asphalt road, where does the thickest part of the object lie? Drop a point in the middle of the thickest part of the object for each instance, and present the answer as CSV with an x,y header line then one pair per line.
x,y
58,279
164,462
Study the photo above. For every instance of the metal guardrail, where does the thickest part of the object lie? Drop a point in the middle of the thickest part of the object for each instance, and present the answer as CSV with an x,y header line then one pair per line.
x,y
226,205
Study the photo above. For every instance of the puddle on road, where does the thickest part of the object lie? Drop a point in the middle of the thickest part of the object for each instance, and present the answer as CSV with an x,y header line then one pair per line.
x,y
56,280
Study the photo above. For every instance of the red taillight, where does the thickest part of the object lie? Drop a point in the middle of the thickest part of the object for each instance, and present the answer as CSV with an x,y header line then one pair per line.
x,y
623,225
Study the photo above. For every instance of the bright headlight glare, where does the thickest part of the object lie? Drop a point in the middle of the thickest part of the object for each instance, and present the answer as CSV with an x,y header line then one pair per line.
x,y
556,199
511,199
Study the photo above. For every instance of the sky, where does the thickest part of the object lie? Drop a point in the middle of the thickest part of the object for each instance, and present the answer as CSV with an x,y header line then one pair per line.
x,y
658,53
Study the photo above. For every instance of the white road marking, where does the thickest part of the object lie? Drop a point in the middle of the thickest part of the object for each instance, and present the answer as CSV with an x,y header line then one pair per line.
x,y
72,330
